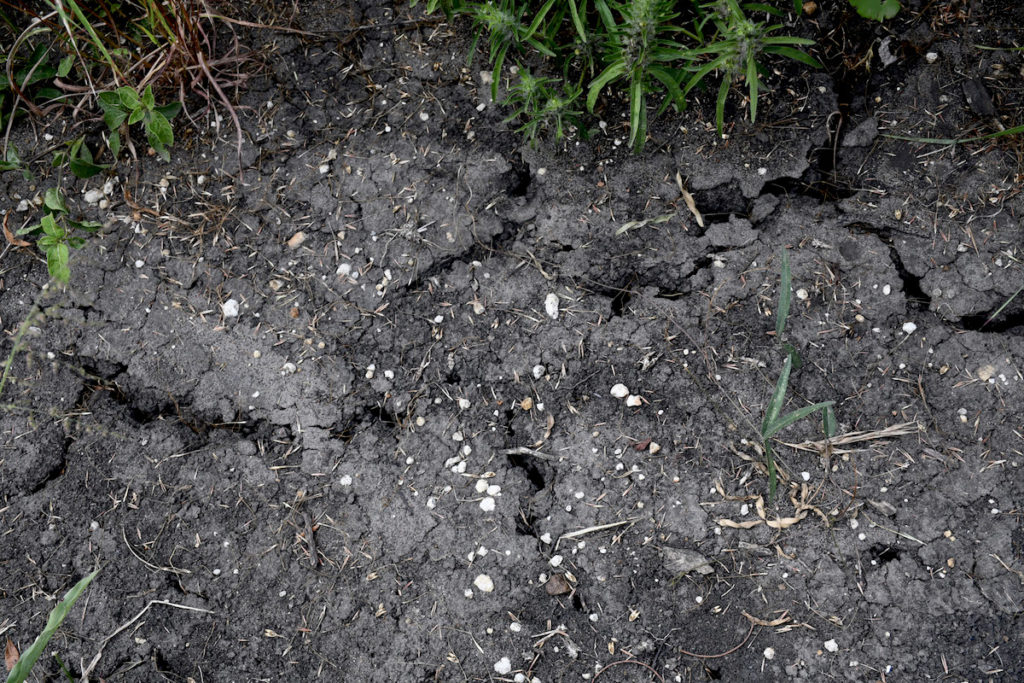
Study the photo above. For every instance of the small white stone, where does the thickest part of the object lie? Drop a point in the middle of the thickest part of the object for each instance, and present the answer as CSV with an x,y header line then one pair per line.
x,y
487,504
620,391
909,328
140,263
545,538
801,294
502,666
424,116
538,371
493,490
515,627
288,369
464,403
551,306
931,57
93,196
634,401
481,485
654,447
230,308
886,290
457,436
806,476
832,645
483,583
346,480
769,653
556,560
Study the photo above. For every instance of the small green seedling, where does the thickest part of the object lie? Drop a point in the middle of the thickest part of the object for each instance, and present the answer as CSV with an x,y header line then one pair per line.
x,y
23,667
124,107
56,234
879,10
774,421
538,102
735,48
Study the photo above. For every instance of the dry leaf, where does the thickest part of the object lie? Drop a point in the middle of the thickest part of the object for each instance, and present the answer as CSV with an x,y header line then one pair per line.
x,y
688,198
762,622
10,651
11,239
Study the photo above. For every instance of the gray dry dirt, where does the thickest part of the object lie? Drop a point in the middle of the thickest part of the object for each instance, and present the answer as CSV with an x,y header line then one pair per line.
x,y
400,383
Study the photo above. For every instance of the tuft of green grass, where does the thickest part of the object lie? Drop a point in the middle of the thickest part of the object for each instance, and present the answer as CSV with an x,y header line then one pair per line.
x,y
774,420
23,667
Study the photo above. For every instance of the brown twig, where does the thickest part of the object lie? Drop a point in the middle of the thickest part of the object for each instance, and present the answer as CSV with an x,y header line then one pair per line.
x,y
723,654
629,661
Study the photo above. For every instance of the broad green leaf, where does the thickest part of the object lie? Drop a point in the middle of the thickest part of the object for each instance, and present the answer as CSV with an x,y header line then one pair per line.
x,y
129,98
160,128
148,100
64,68
114,144
136,116
53,200
169,110
879,10
57,262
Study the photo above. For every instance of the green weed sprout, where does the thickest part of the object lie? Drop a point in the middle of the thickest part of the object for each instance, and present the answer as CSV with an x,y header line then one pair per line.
x,y
56,234
640,51
537,101
505,30
23,667
774,421
737,45
124,108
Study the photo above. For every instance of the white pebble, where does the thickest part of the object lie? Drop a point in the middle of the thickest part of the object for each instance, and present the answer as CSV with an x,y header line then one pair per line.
x,y
140,263
620,391
886,290
634,401
908,328
551,306
538,371
483,583
802,294
556,560
230,308
346,480
464,403
769,653
545,538
487,504
931,57
832,645
502,666
93,196
481,485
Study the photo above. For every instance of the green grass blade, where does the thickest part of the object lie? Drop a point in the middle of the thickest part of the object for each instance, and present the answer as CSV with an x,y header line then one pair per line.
x,y
956,141
789,418
771,415
1005,304
576,22
794,54
752,83
538,19
636,105
28,659
828,422
612,72
785,297
723,92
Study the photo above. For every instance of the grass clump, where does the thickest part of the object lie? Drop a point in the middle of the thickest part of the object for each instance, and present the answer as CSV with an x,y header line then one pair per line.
x,y
649,53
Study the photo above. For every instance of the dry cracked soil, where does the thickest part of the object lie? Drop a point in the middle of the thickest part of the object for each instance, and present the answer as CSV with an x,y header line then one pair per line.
x,y
348,415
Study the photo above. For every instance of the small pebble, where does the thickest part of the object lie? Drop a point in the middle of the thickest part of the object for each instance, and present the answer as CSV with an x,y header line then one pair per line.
x,y
230,308
296,240
551,306
484,583
832,645
487,504
620,391
909,328
538,371
93,196
503,666
634,401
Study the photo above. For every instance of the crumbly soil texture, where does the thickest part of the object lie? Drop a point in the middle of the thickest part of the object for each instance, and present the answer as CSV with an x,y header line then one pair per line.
x,y
348,414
